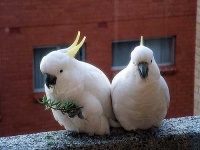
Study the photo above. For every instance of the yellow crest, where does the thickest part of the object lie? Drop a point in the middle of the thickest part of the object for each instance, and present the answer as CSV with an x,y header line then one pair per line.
x,y
73,49
141,41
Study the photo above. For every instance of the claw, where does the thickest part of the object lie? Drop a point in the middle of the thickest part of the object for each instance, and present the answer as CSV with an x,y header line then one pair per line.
x,y
75,111
80,115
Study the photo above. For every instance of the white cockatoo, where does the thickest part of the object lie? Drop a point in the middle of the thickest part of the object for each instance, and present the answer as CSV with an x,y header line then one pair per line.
x,y
140,95
84,84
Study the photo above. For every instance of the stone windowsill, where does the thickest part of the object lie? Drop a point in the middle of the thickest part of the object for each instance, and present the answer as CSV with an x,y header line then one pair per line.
x,y
177,133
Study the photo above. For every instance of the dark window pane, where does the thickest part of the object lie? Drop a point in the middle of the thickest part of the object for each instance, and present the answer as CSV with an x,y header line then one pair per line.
x,y
121,52
39,79
163,49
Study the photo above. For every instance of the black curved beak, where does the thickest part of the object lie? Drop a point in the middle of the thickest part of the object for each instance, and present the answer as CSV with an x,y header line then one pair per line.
x,y
50,80
143,69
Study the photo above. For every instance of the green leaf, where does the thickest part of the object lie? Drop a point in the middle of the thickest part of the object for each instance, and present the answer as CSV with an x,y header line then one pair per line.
x,y
59,104
69,104
51,143
64,107
48,136
47,107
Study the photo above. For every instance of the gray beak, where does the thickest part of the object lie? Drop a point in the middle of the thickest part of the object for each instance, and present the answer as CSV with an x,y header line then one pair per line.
x,y
143,69
50,80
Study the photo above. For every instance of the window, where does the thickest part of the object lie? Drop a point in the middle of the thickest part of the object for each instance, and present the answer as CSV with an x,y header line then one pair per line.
x,y
163,49
39,53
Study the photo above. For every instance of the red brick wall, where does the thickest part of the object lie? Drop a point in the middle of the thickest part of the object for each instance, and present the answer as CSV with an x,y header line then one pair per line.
x,y
25,24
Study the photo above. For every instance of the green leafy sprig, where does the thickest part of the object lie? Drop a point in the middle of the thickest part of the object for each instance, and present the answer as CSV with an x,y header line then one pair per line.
x,y
68,107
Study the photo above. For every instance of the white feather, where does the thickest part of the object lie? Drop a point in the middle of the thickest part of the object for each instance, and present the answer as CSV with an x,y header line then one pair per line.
x,y
140,103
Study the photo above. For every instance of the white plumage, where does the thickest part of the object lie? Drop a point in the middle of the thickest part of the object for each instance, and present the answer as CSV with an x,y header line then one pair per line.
x,y
85,85
140,95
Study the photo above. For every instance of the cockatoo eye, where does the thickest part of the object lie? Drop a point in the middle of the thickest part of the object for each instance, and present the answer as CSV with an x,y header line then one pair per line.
x,y
151,61
61,71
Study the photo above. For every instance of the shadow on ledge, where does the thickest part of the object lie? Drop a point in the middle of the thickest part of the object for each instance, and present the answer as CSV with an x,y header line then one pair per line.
x,y
176,134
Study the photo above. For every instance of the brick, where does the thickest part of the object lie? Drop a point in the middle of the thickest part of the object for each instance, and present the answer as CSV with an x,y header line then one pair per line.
x,y
197,96
196,73
196,89
197,58
196,104
196,112
197,66
199,90
197,50
197,81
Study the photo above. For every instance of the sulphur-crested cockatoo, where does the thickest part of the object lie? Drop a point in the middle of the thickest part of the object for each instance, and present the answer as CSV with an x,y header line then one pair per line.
x,y
140,95
82,83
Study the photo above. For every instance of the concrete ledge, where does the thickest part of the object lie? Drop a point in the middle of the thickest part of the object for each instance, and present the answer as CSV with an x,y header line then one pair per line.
x,y
178,133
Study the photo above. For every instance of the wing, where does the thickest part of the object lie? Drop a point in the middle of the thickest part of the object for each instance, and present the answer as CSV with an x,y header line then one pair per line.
x,y
95,80
165,90
117,80
98,85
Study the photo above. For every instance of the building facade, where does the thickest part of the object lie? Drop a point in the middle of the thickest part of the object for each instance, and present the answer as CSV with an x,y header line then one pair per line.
x,y
30,26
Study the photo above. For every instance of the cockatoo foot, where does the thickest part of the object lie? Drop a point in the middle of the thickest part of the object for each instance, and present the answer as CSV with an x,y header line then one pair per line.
x,y
75,111
154,130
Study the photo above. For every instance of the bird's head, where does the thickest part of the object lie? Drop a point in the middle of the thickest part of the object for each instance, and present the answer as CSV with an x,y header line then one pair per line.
x,y
142,57
57,63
